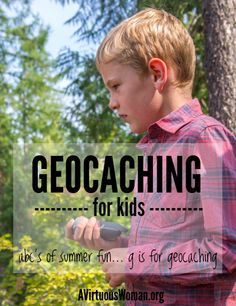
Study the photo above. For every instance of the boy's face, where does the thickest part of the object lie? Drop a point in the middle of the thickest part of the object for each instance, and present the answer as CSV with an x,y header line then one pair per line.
x,y
134,97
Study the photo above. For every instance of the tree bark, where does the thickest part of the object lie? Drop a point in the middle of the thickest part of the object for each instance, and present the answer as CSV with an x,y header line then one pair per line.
x,y
220,59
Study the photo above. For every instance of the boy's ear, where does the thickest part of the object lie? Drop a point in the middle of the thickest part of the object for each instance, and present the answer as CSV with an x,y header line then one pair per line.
x,y
159,70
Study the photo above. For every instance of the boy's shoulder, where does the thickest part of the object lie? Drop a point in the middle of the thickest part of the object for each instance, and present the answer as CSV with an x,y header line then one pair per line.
x,y
188,124
205,126
198,126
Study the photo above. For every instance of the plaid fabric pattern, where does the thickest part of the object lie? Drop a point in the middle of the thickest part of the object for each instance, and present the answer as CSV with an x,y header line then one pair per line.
x,y
185,223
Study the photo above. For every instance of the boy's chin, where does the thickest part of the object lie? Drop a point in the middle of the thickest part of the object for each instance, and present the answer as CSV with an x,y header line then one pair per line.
x,y
137,129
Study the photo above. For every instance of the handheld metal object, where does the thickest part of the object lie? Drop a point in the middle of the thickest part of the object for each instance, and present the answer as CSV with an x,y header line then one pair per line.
x,y
108,230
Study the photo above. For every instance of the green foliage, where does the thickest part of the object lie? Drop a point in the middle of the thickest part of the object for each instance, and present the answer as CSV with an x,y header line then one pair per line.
x,y
29,111
28,78
60,288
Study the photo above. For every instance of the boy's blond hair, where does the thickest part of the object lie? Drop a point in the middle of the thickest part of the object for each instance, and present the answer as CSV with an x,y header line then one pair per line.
x,y
150,34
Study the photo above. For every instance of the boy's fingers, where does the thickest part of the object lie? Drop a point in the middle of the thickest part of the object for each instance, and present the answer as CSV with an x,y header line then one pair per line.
x,y
88,232
114,282
80,228
68,229
96,232
98,241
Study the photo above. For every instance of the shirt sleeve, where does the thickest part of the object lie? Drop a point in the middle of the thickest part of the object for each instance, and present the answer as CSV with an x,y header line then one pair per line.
x,y
211,256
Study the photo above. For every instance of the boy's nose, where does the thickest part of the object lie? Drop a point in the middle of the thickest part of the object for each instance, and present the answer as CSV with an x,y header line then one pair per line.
x,y
113,104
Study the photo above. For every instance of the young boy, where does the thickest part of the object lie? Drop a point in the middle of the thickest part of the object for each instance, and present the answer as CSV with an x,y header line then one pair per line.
x,y
147,63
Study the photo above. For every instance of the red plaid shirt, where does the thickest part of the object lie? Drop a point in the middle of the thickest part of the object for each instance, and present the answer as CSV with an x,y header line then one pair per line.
x,y
188,223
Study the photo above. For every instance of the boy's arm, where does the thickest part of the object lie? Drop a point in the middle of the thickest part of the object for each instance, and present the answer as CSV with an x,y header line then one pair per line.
x,y
219,237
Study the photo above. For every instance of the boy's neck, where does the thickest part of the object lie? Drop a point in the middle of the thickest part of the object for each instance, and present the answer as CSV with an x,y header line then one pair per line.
x,y
174,99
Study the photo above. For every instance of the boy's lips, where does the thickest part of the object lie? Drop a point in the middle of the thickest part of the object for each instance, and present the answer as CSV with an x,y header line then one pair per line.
x,y
123,116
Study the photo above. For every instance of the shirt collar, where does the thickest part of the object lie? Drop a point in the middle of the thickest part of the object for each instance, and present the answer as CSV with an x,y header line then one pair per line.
x,y
174,120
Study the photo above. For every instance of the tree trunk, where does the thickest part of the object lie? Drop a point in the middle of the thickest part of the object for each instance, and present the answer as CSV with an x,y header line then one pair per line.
x,y
220,59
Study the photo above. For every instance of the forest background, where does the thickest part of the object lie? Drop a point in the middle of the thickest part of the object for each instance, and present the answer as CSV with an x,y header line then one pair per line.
x,y
34,108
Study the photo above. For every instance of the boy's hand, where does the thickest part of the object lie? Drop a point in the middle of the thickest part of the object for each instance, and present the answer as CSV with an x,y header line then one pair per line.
x,y
115,269
87,234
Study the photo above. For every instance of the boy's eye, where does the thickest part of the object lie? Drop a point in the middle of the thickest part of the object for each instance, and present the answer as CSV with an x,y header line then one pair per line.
x,y
115,86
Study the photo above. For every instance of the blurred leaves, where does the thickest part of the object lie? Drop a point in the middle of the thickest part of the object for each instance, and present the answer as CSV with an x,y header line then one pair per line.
x,y
29,107
60,288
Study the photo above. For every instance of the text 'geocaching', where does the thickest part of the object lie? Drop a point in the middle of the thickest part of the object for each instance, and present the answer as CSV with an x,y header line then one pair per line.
x,y
153,174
